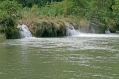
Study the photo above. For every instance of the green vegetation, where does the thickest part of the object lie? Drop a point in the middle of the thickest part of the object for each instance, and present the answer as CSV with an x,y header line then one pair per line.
x,y
46,17
9,14
50,29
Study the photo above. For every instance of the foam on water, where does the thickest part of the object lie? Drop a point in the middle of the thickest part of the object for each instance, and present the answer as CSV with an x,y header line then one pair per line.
x,y
97,35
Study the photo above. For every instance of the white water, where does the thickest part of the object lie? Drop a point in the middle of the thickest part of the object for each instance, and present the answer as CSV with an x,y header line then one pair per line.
x,y
24,31
97,35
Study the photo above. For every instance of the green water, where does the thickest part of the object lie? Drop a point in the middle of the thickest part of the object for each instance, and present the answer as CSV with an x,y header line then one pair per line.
x,y
95,57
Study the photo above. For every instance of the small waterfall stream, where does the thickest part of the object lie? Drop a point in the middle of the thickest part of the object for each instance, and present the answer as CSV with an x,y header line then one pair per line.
x,y
107,32
24,31
70,30
91,29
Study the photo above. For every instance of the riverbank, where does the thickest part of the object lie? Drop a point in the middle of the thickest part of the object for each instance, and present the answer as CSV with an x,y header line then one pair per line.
x,y
2,37
50,26
44,26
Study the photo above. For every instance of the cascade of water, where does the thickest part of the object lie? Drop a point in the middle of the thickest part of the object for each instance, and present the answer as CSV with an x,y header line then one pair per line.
x,y
107,32
70,30
91,29
24,31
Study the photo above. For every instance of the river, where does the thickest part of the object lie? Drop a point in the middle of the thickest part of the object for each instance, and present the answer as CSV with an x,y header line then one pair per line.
x,y
86,56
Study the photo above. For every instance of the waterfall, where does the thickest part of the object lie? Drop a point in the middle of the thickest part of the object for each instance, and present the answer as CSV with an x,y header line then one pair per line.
x,y
107,32
70,30
91,29
24,31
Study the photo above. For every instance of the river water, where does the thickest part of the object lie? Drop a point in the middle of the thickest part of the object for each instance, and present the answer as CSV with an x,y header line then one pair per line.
x,y
86,56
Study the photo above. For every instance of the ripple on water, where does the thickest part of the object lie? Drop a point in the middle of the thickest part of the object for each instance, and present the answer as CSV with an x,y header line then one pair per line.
x,y
69,43
77,57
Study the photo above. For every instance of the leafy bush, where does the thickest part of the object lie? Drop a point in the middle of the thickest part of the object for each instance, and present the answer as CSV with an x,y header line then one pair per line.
x,y
9,15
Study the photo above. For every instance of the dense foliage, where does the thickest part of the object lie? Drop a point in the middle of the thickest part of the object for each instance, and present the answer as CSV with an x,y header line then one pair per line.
x,y
9,14
102,14
49,29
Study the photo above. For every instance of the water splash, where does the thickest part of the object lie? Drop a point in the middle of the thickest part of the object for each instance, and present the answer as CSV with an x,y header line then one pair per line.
x,y
24,31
